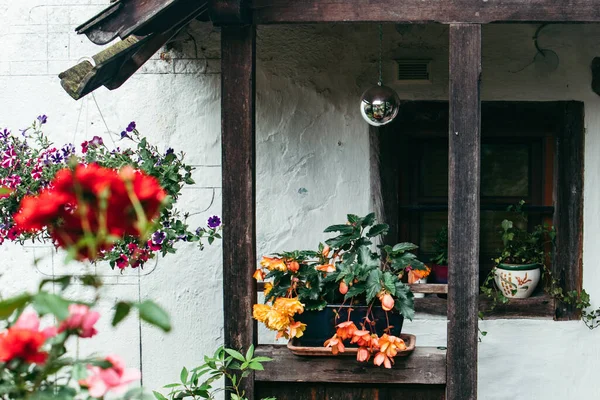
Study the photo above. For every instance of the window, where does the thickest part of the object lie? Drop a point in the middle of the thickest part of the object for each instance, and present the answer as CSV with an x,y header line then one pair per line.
x,y
531,151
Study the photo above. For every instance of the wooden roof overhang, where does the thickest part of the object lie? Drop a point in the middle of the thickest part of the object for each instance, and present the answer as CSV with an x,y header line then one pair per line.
x,y
238,20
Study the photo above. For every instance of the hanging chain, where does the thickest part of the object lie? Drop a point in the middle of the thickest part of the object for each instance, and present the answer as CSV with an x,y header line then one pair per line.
x,y
380,55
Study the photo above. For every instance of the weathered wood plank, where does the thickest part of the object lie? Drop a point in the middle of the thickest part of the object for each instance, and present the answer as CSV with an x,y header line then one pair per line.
x,y
238,66
287,391
463,210
426,365
440,288
568,195
537,307
334,391
413,11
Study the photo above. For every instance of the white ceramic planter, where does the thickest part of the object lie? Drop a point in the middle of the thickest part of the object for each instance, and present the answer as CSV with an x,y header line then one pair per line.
x,y
420,295
517,281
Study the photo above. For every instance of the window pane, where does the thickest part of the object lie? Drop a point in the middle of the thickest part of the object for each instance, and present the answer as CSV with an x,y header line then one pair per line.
x,y
431,224
434,170
505,170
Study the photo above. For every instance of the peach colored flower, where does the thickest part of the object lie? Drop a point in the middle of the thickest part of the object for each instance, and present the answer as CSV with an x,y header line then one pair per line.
x,y
336,345
80,319
293,266
362,338
115,378
259,275
390,345
326,268
277,320
381,358
295,330
387,301
326,251
30,321
343,287
346,330
363,354
273,263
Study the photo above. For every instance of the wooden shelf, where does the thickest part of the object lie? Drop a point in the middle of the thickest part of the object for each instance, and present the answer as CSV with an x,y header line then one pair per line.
x,y
426,365
540,306
440,288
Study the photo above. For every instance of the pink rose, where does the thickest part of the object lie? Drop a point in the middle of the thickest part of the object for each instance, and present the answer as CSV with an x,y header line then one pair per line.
x,y
29,321
80,319
115,378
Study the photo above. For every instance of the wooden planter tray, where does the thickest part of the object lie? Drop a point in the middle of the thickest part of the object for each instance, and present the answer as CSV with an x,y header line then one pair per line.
x,y
299,350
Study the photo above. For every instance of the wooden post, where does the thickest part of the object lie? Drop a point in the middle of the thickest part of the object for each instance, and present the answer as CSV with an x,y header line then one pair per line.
x,y
238,62
463,210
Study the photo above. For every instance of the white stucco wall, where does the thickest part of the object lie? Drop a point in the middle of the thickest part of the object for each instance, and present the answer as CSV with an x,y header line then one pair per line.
x,y
313,166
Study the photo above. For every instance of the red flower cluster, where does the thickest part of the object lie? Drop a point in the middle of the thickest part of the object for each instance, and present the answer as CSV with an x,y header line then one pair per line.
x,y
23,344
92,202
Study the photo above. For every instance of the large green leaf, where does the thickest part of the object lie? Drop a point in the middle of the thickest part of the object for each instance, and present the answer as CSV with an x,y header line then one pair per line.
x,y
373,284
404,301
389,282
344,229
368,220
356,290
154,315
48,303
402,247
378,230
10,305
366,259
121,311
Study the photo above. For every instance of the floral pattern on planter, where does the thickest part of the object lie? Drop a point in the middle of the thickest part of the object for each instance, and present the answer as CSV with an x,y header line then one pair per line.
x,y
517,281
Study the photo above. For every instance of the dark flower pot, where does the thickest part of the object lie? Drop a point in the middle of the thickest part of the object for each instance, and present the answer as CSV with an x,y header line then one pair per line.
x,y
320,325
439,273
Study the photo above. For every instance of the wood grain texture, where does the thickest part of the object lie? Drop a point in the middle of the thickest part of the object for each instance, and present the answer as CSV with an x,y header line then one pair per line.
x,y
333,391
238,65
568,195
426,365
537,307
429,288
413,11
463,210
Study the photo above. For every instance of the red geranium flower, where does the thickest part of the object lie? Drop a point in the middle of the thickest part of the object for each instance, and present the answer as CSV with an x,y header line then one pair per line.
x,y
22,344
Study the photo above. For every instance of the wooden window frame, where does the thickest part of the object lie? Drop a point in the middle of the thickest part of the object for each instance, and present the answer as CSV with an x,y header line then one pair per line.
x,y
565,121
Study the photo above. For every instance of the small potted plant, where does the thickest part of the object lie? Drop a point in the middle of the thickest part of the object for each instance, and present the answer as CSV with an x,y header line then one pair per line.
x,y
439,266
518,269
344,292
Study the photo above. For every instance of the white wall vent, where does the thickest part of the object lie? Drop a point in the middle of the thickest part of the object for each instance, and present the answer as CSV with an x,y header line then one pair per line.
x,y
413,70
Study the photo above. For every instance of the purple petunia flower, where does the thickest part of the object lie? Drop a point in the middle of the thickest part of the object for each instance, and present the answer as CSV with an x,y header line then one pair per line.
x,y
56,158
42,119
169,151
67,150
130,127
158,237
125,135
97,141
214,222
4,133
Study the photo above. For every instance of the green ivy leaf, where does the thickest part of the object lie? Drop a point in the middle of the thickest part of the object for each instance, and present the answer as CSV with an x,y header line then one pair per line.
x,y
10,305
48,303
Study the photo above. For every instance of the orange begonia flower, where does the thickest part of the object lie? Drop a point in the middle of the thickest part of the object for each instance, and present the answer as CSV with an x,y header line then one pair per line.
x,y
260,311
326,268
416,274
289,306
343,287
362,338
337,346
390,345
277,320
259,275
296,329
293,266
273,263
363,354
326,251
268,288
387,301
381,358
346,330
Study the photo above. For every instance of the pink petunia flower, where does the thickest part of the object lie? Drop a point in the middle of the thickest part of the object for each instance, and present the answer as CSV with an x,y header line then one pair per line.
x,y
115,378
80,319
29,321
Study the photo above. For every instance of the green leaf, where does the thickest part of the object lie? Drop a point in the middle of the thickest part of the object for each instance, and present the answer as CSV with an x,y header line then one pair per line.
x,y
402,247
506,225
404,301
262,359
343,229
353,219
378,230
10,305
235,354
48,303
368,220
256,366
121,311
250,352
389,282
373,284
159,396
154,315
183,375
64,282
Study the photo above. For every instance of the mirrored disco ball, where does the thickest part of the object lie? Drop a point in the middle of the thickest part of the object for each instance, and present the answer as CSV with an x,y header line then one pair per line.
x,y
379,105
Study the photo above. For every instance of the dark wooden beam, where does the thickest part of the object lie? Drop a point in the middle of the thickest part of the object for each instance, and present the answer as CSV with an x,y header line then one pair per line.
x,y
463,210
426,365
229,12
414,11
568,196
238,68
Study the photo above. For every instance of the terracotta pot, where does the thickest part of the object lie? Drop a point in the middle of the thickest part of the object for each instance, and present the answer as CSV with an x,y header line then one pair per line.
x,y
517,281
320,325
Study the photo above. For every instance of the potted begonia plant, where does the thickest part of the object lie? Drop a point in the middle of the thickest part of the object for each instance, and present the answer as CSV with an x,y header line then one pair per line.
x,y
343,292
